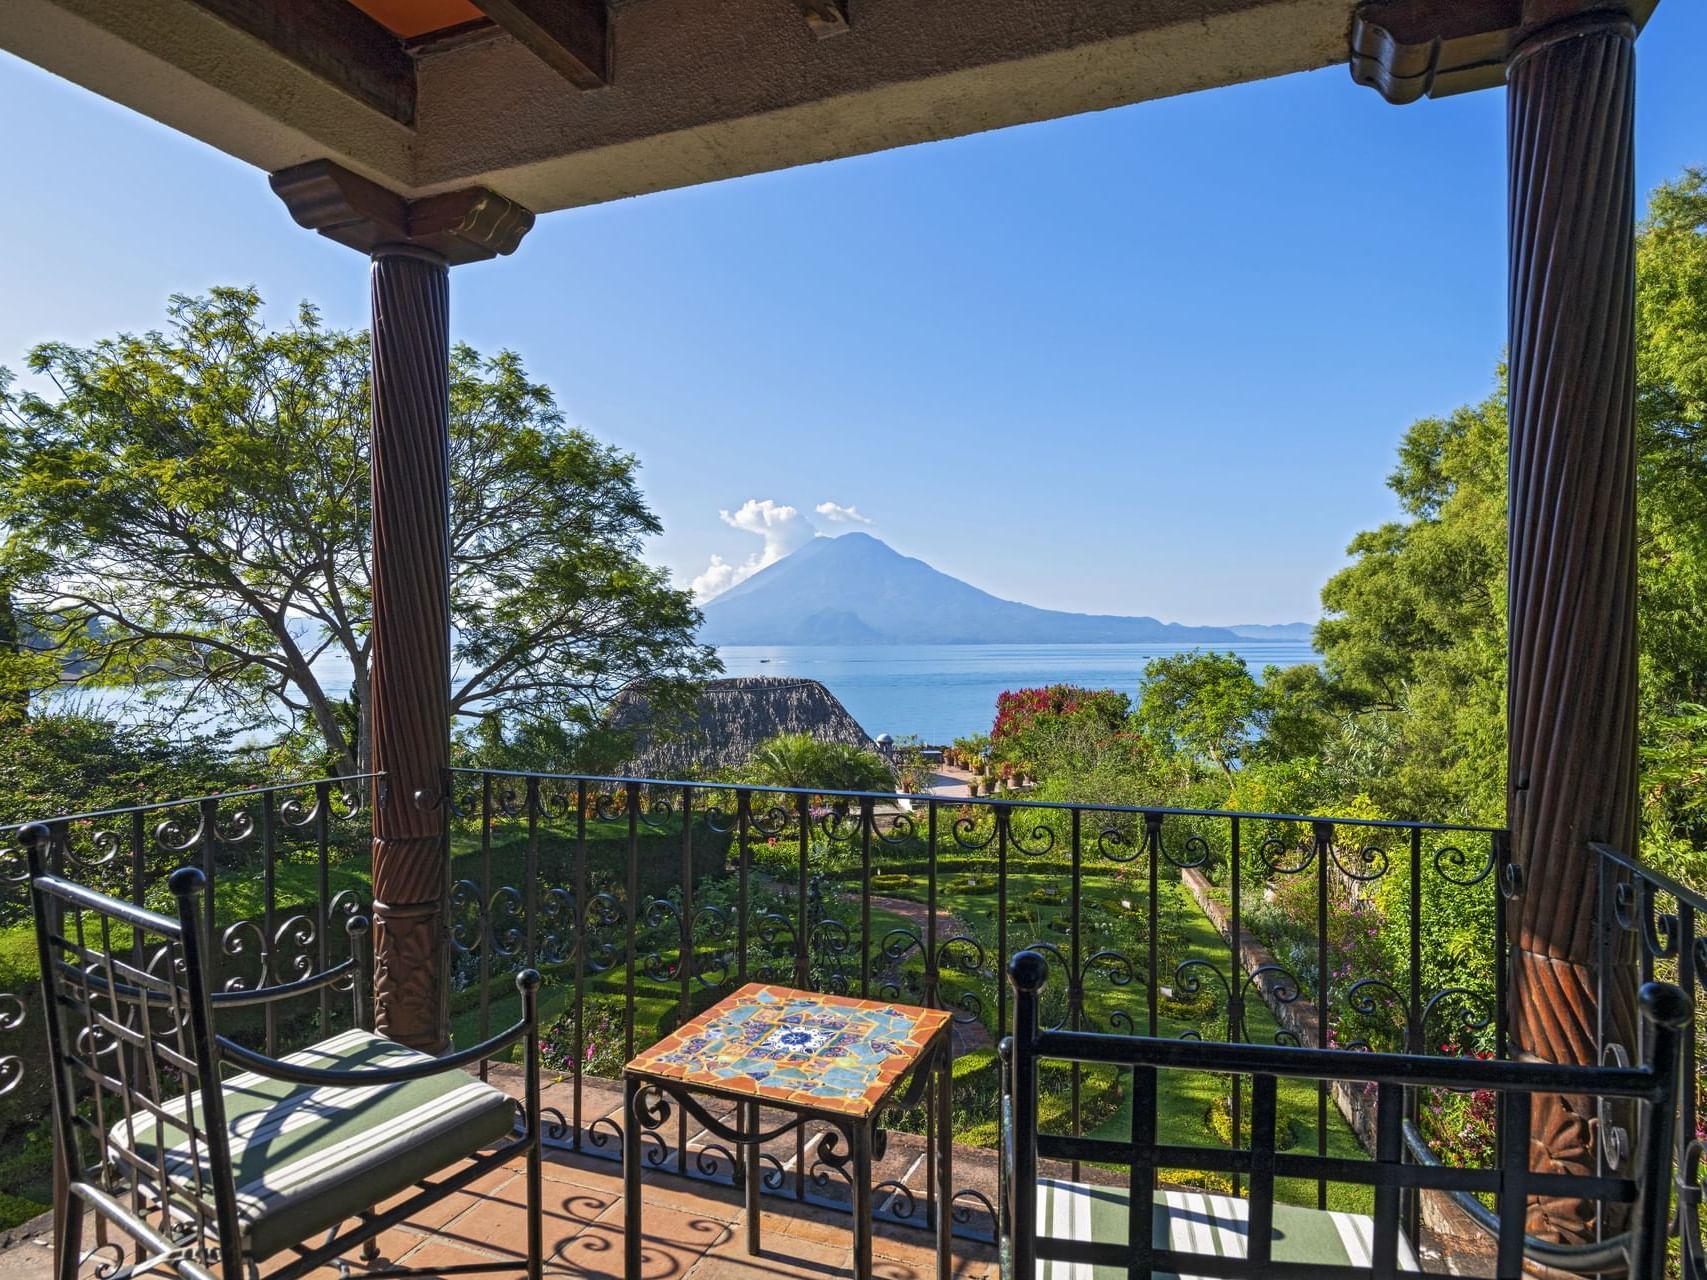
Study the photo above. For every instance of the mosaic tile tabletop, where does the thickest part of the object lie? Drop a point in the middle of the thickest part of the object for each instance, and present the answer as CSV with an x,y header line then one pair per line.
x,y
776,1044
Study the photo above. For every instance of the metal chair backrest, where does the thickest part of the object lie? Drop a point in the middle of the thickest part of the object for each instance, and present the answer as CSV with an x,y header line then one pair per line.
x,y
128,1020
1393,1170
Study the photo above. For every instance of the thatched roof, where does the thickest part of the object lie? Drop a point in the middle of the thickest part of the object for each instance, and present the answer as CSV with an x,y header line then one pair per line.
x,y
734,717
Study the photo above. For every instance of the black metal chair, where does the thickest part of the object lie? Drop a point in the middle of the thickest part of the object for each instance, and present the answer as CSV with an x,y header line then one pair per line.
x,y
211,1157
1053,1228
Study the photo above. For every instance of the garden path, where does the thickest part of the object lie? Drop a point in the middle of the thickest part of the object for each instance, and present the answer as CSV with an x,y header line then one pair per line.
x,y
967,1035
949,781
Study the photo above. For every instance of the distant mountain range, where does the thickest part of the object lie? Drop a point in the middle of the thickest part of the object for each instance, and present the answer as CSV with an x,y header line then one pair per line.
x,y
1275,630
856,589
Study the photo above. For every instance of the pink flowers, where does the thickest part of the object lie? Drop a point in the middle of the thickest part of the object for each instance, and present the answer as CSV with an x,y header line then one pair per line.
x,y
1018,709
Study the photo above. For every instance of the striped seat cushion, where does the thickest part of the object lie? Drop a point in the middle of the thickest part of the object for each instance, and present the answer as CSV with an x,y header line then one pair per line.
x,y
1197,1222
306,1158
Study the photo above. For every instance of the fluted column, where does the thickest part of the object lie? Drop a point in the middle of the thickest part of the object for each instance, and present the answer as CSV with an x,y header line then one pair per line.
x,y
411,641
1572,605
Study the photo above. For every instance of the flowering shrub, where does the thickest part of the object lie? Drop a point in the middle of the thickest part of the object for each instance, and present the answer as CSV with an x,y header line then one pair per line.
x,y
1283,915
1017,710
602,1042
1462,1128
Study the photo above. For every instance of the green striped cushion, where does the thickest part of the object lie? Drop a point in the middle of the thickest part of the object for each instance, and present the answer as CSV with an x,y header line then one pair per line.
x,y
306,1158
1197,1222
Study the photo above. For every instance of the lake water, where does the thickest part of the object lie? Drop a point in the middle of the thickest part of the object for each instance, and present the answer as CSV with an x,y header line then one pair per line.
x,y
937,691
941,692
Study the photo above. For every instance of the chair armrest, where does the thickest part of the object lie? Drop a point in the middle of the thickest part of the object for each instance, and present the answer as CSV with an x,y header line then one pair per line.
x,y
1610,1256
527,981
283,990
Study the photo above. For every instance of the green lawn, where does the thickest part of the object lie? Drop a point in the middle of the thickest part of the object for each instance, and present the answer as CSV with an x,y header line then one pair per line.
x,y
657,1004
1038,912
1113,918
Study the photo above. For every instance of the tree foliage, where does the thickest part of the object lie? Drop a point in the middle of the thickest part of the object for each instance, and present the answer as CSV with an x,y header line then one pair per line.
x,y
800,760
52,766
1405,717
1671,416
1032,723
1202,706
1414,632
188,517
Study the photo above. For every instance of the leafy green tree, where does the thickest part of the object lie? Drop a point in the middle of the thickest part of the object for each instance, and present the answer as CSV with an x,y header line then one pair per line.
x,y
16,661
1078,759
1671,409
1298,712
800,760
188,520
1028,721
1413,631
53,765
1203,706
1414,635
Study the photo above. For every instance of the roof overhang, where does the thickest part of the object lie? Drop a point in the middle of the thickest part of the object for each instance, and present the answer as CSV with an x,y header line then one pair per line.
x,y
696,91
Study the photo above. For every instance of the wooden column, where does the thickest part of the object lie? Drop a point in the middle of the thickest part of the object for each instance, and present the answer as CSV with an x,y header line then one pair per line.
x,y
1571,695
411,641
412,245
1571,685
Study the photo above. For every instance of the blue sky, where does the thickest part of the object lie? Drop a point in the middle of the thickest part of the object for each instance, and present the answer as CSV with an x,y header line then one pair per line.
x,y
1154,360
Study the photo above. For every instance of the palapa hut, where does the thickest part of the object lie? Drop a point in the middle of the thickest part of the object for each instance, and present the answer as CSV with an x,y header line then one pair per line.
x,y
734,717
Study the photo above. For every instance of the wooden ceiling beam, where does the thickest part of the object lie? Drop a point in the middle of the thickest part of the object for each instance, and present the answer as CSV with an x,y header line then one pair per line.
x,y
572,37
335,41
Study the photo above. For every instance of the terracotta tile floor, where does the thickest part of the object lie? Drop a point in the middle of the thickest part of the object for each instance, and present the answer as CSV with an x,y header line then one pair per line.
x,y
693,1231
693,1228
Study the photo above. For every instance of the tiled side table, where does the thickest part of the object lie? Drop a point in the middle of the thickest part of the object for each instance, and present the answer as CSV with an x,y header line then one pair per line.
x,y
817,1057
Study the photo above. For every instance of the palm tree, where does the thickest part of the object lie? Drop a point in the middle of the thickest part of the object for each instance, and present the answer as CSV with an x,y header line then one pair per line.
x,y
802,761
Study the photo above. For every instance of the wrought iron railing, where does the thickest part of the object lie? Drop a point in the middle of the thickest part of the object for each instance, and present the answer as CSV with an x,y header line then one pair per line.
x,y
1649,926
286,866
643,901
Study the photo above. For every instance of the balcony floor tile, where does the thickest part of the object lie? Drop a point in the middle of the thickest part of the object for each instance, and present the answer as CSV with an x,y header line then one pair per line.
x,y
693,1231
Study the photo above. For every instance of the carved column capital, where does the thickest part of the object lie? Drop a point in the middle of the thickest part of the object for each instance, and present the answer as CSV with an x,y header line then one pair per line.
x,y
460,226
1409,49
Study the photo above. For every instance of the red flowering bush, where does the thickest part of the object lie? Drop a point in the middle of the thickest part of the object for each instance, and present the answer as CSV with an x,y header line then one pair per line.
x,y
1018,710
1028,720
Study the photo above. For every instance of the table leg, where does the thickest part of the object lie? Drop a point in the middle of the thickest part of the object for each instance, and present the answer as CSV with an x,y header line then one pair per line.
x,y
631,1176
750,1123
944,1165
860,1141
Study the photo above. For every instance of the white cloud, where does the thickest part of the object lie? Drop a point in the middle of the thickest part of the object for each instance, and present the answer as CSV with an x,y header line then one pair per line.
x,y
836,513
782,527
718,577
